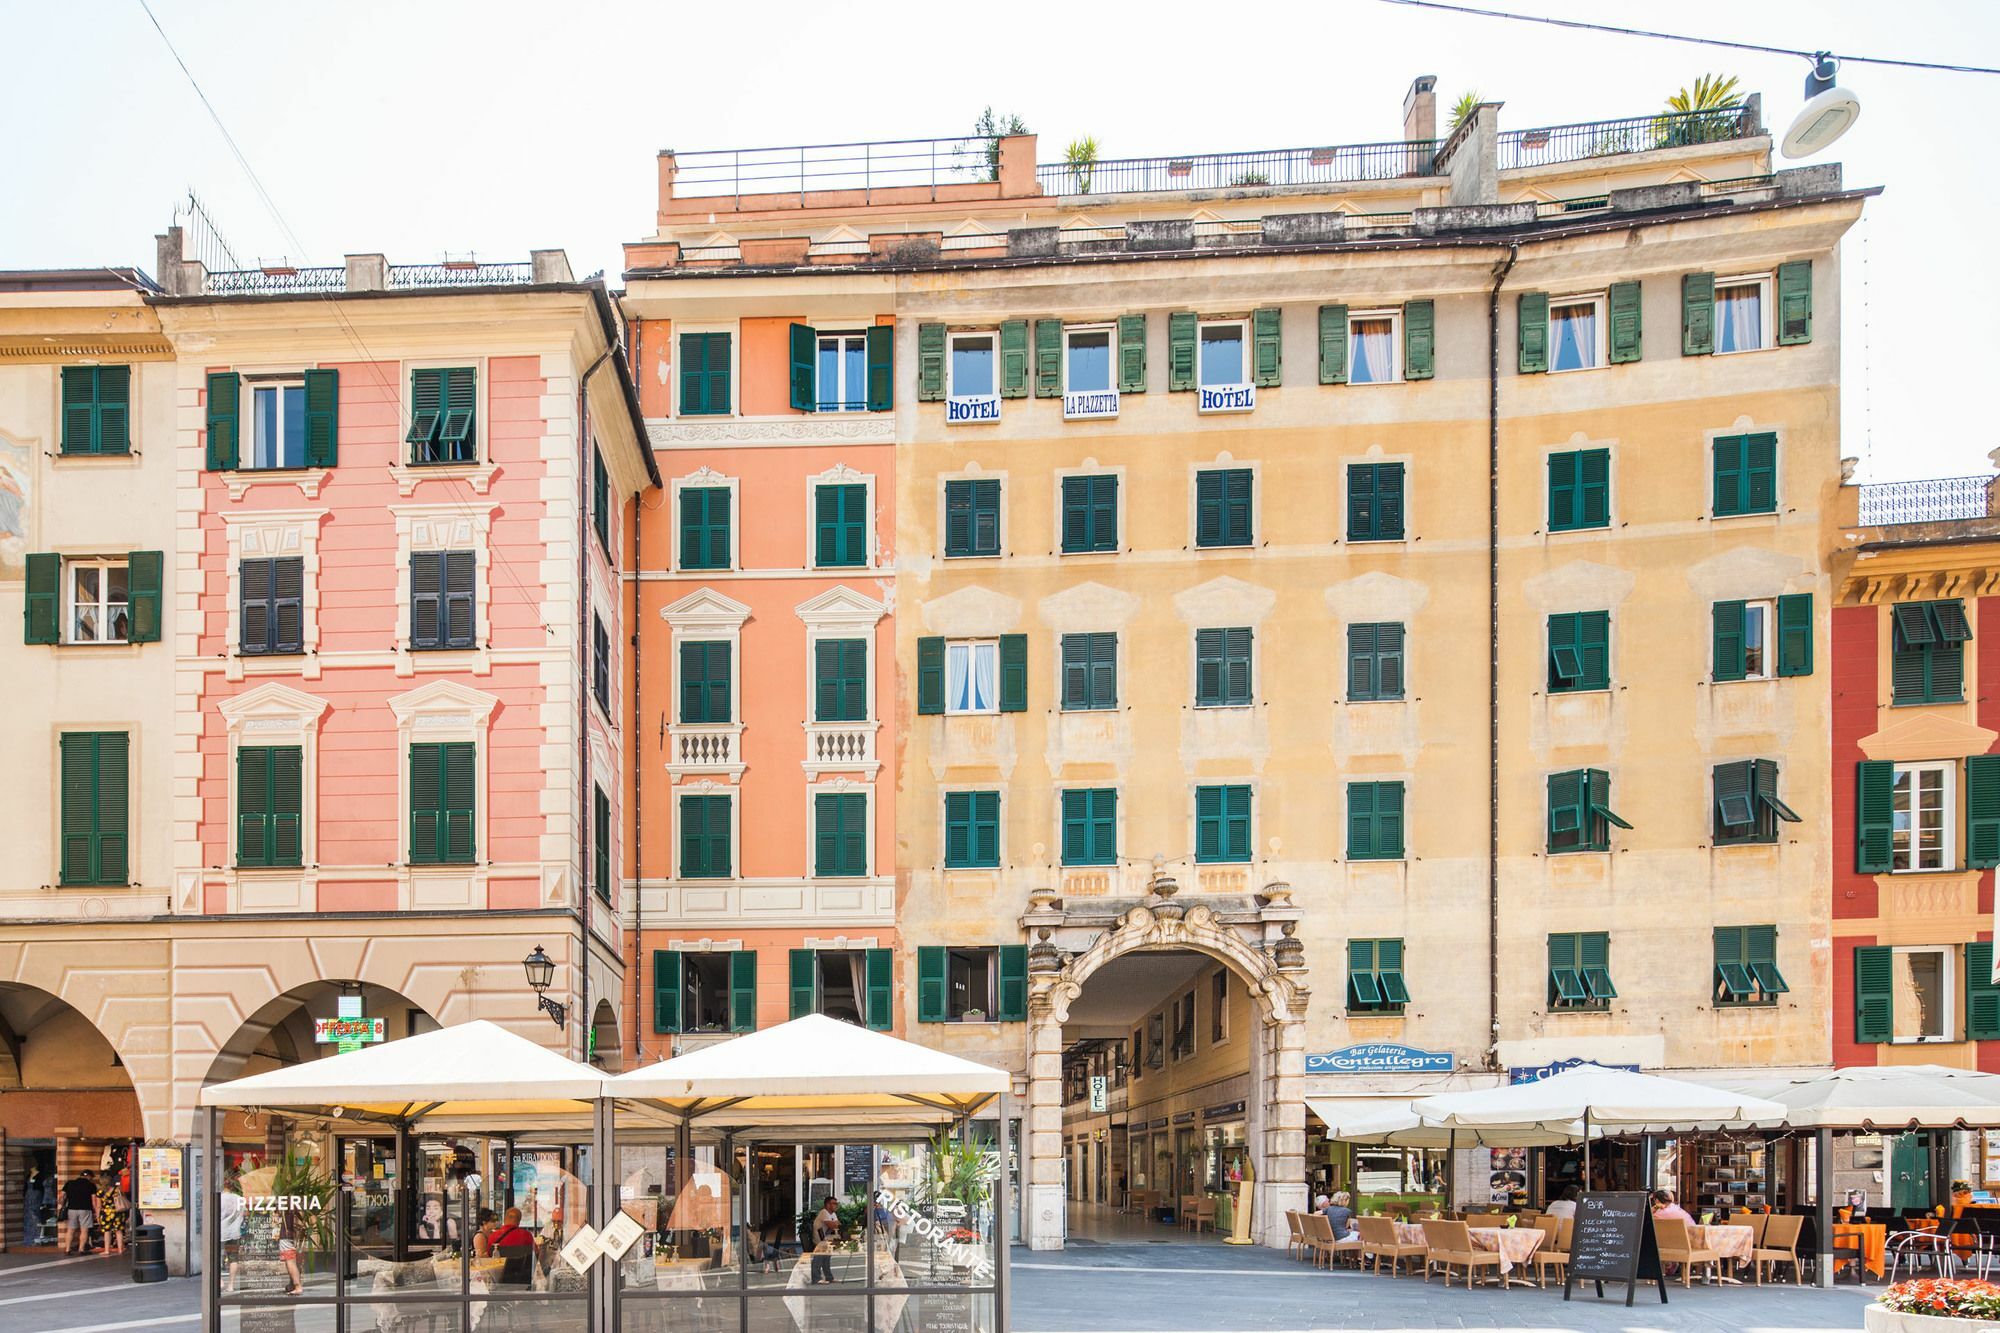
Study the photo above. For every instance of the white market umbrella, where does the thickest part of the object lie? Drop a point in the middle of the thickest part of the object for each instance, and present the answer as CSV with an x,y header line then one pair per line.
x,y
1383,1124
1881,1097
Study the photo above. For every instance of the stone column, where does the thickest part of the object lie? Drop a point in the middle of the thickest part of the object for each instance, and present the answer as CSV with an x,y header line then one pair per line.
x,y
1282,1186
1042,1134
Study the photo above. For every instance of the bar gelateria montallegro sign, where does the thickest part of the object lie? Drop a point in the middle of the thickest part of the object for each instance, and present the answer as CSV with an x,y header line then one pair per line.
x,y
1380,1057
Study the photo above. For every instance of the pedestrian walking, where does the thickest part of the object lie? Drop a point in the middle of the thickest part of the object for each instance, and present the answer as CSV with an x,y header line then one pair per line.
x,y
111,1214
79,1200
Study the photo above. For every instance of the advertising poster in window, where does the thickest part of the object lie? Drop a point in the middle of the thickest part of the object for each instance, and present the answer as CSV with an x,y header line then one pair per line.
x,y
159,1178
1508,1180
538,1177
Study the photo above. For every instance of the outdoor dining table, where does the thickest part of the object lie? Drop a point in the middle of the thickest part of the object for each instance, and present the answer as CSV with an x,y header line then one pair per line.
x,y
1514,1245
1874,1237
1734,1243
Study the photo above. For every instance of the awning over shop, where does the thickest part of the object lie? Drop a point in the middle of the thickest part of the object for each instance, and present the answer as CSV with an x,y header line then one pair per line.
x,y
1390,1122
1591,1101
1875,1097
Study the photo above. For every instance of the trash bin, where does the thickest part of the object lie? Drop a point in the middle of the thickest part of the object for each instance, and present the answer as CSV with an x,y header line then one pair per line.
x,y
149,1254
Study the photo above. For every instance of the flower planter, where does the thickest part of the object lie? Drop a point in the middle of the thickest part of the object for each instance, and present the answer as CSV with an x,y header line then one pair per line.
x,y
1877,1319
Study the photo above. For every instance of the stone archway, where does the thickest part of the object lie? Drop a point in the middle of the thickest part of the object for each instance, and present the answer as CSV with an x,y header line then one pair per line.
x,y
1255,936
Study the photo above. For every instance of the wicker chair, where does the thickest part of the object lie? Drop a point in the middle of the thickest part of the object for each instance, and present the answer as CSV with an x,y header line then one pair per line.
x,y
1779,1245
1554,1252
1450,1245
1378,1242
1677,1247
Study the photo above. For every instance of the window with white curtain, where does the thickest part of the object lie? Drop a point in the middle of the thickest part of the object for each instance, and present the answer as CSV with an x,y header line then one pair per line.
x,y
1742,314
1371,347
1576,333
972,676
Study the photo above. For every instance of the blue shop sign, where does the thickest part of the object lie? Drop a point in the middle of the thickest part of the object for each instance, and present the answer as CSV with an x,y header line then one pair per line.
x,y
1234,398
1381,1057
1536,1073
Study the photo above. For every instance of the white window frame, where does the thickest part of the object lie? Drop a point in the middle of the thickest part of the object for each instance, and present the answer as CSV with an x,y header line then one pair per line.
x,y
1600,351
1766,611
1947,991
275,714
73,566
700,479
735,333
989,1011
840,474
952,340
839,404
991,645
1949,833
443,712
707,786
999,828
1110,389
1394,314
1242,327
1767,316
253,384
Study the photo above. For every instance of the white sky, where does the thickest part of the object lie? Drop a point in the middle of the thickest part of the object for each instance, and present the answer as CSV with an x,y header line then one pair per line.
x,y
415,128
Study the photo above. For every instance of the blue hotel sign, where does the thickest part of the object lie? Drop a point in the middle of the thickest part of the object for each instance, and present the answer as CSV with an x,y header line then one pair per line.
x,y
1237,398
1381,1057
972,407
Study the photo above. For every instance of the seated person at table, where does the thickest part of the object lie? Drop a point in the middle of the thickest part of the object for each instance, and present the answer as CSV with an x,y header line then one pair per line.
x,y
1340,1212
482,1239
1563,1207
1664,1206
509,1232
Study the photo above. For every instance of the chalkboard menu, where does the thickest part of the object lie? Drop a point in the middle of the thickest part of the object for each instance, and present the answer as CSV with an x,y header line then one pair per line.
x,y
1613,1242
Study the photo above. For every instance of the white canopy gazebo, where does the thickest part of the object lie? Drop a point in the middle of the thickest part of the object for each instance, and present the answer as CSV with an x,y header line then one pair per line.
x,y
1880,1098
1591,1101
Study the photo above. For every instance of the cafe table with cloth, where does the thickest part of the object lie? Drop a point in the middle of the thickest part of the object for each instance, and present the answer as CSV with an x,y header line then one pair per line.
x,y
1514,1245
1734,1243
1873,1237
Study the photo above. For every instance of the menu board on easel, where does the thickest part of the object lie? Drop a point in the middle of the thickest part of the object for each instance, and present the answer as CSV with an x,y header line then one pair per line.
x,y
1614,1242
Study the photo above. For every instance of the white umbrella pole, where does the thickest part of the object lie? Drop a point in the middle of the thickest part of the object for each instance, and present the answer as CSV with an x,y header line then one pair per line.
x,y
1451,1172
1586,1150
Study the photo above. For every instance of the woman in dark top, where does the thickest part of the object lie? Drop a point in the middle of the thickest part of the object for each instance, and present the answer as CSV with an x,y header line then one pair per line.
x,y
1340,1213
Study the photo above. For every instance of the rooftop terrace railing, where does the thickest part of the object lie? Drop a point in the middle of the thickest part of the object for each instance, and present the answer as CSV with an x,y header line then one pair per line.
x,y
407,276
1635,134
808,168
332,279
1929,500
276,282
1261,167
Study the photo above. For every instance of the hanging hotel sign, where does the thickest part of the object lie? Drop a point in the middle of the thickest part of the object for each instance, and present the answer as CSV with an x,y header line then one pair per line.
x,y
1380,1057
1229,398
960,409
1091,403
1100,1092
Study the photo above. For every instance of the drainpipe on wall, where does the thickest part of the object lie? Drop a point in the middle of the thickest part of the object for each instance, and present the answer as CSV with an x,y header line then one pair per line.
x,y
638,781
1493,657
583,642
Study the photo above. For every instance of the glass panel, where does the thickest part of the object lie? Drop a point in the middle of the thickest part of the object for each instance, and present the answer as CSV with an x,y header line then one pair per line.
x,y
1919,1001
1739,317
828,387
293,451
1221,356
264,427
808,1312
1930,819
1755,620
955,1312
971,367
1089,362
969,985
401,1317
291,1319
86,591
1371,350
1573,336
284,1244
854,374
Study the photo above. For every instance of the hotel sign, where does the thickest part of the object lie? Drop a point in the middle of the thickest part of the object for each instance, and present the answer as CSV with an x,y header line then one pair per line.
x,y
1090,404
1381,1057
1100,1092
1233,398
958,411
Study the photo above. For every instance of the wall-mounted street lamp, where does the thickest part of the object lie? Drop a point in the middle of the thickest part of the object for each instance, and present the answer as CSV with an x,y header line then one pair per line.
x,y
541,971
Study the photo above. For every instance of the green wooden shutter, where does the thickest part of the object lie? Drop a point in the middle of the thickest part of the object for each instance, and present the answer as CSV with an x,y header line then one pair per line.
x,y
322,418
1267,356
144,573
1593,957
1982,997
826,526
1363,990
1333,344
41,615
456,824
77,795
224,393
804,979
1593,488
1013,998
1531,325
1419,339
1760,474
1697,314
253,805
1013,673
1568,820
1728,465
113,434
1131,354
1982,811
743,990
1593,645
600,843
1048,358
1728,658
881,974
1729,969
426,412
667,990
1563,500
1361,821
930,363
600,499
957,829
931,984
803,379
1795,634
1735,808
457,432
1625,322
1014,358
79,409
930,675
880,342
426,803
1795,303
1874,818
985,814
1182,331
1874,993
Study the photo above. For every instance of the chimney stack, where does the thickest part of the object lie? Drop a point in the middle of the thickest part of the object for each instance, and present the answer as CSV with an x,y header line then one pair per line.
x,y
1420,110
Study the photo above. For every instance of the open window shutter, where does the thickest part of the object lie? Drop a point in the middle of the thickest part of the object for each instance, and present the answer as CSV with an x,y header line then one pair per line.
x,y
1874,820
1795,303
1982,997
1419,339
1593,955
1697,314
1727,618
1566,813
1729,956
931,1006
1360,820
666,990
930,675
1013,673
1266,347
881,972
1625,322
253,806
1333,344
881,352
805,354
1014,358
322,418
1013,968
1361,984
1182,330
144,570
1735,811
1048,358
743,990
1131,354
804,991
1795,634
1562,957
224,391
1982,811
42,611
427,599
930,363
1874,1002
1531,324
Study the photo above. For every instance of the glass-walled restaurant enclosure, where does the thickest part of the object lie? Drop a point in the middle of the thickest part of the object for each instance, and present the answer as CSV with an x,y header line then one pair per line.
x,y
824,1178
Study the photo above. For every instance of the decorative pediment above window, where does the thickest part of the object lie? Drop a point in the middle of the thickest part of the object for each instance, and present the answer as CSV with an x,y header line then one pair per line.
x,y
706,609
838,475
704,476
273,714
443,711
841,609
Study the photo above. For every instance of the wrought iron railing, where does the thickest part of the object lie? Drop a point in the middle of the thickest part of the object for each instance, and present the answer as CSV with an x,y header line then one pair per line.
x,y
803,168
459,275
1634,134
1929,500
282,282
1222,171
